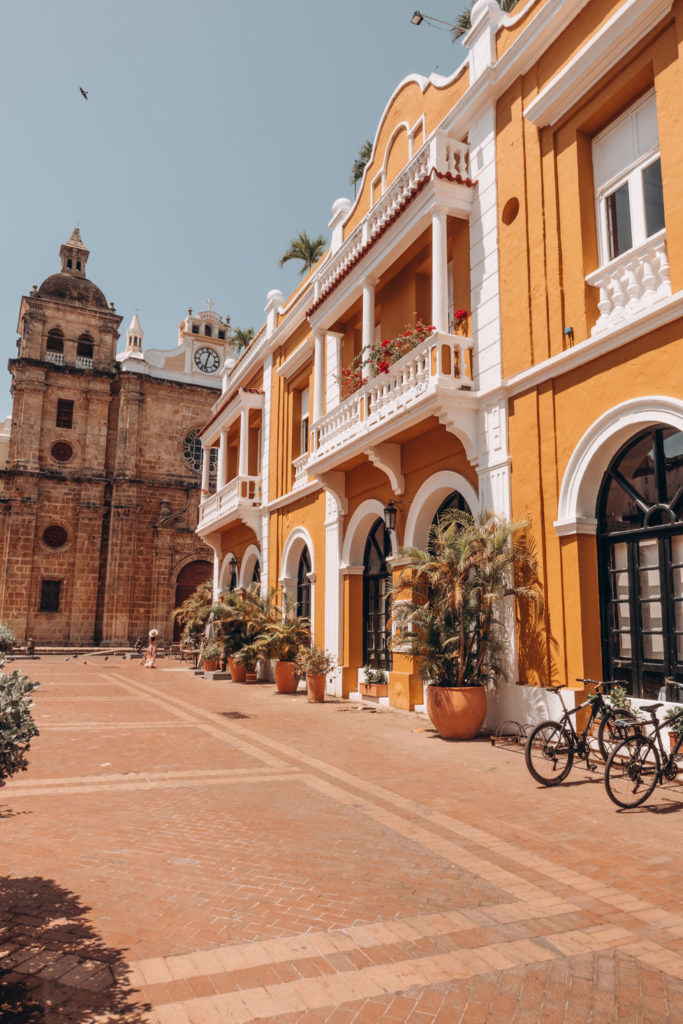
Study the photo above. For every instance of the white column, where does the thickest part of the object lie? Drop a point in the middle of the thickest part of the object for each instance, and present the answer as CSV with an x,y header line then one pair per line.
x,y
333,370
368,317
206,461
265,472
244,443
318,376
439,270
333,533
222,461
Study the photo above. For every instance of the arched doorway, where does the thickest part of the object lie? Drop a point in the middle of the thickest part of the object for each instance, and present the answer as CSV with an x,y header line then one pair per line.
x,y
303,585
454,500
189,578
640,547
376,578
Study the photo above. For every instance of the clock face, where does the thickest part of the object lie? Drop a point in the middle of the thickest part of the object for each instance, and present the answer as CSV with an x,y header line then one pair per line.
x,y
206,360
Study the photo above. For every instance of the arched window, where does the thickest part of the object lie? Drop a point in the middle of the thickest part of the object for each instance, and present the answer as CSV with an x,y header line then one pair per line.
x,y
640,544
55,340
207,330
376,577
452,500
256,573
84,348
303,585
189,578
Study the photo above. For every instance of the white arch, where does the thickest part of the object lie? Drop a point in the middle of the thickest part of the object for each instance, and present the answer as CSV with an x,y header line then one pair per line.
x,y
249,559
298,539
358,529
426,502
592,455
223,580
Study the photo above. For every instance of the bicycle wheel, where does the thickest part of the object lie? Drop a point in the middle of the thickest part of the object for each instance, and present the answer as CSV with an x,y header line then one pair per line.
x,y
610,733
632,771
549,753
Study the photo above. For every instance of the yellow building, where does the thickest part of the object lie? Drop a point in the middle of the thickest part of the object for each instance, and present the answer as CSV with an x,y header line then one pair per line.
x,y
537,191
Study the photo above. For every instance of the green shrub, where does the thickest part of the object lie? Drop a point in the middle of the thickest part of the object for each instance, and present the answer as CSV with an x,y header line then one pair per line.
x,y
17,727
7,639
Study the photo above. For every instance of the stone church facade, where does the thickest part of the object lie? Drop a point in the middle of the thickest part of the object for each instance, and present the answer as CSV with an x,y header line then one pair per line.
x,y
101,483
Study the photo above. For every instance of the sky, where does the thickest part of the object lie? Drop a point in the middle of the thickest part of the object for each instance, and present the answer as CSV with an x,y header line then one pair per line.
x,y
214,131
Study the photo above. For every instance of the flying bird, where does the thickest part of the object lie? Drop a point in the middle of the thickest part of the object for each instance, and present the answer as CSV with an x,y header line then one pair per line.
x,y
83,92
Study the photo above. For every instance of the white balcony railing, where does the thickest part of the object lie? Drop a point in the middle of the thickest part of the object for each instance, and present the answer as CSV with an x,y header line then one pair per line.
x,y
300,471
439,153
243,492
84,363
438,365
54,357
632,282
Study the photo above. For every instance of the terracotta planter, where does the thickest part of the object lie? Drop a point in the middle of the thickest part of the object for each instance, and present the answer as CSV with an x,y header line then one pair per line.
x,y
237,672
286,679
673,740
211,666
250,677
374,689
456,712
315,686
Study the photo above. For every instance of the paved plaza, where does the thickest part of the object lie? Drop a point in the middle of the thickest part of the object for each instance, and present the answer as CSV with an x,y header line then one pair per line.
x,y
190,851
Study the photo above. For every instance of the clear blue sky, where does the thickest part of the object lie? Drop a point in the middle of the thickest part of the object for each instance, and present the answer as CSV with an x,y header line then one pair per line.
x,y
214,131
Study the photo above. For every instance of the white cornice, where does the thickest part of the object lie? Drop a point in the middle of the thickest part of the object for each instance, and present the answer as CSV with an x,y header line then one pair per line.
x,y
297,359
293,496
605,49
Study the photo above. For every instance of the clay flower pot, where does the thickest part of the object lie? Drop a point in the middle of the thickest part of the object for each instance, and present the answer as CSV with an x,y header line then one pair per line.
x,y
211,666
238,672
286,679
315,686
250,677
456,712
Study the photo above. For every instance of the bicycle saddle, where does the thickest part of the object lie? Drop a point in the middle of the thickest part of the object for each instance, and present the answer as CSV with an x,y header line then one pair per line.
x,y
650,707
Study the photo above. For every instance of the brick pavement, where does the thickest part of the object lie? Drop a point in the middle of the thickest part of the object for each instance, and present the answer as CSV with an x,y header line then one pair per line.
x,y
209,852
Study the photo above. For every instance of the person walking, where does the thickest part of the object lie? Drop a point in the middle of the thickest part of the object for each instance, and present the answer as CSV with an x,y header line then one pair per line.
x,y
151,652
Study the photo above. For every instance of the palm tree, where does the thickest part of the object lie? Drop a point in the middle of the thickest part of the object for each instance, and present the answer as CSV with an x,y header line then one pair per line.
x,y
470,564
308,250
242,337
463,22
359,164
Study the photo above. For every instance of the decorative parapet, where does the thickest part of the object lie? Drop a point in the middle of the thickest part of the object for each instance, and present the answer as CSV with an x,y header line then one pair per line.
x,y
446,157
631,283
55,357
84,363
240,495
439,364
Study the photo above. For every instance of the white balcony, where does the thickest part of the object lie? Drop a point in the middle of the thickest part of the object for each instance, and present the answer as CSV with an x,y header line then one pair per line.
x,y
431,380
631,283
84,363
239,499
447,157
55,357
300,472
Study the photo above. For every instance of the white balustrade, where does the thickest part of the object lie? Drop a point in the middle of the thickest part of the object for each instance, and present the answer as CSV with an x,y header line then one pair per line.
x,y
631,282
239,492
84,362
440,153
439,363
300,471
54,357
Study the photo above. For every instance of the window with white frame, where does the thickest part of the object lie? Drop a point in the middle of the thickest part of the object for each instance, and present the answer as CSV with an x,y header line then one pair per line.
x,y
304,421
628,180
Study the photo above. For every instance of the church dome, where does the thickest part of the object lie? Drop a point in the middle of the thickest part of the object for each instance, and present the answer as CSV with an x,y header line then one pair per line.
x,y
69,288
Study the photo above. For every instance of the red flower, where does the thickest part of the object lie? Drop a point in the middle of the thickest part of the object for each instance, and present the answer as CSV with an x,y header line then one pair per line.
x,y
460,314
385,344
407,334
383,366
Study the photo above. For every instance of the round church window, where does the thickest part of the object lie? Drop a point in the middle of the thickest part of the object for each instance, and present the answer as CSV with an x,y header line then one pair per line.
x,y
55,536
192,453
62,451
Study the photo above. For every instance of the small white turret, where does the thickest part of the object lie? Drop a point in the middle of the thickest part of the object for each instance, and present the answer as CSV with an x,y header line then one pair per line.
x,y
134,336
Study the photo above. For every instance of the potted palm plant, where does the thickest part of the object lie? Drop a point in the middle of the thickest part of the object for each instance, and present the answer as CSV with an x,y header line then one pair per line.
x,y
282,638
674,719
317,663
449,624
211,656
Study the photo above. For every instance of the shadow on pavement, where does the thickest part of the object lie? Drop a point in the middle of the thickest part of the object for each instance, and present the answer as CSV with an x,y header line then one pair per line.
x,y
53,965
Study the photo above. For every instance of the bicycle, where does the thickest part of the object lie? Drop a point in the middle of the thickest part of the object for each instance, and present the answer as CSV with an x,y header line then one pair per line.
x,y
638,764
552,745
